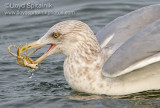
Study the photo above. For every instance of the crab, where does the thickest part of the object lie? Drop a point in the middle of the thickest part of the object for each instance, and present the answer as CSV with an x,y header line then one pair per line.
x,y
24,59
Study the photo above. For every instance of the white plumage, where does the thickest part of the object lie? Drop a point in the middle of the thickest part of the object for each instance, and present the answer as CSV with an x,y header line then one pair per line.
x,y
113,67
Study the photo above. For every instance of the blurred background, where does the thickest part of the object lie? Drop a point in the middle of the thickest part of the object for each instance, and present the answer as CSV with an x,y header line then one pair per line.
x,y
47,87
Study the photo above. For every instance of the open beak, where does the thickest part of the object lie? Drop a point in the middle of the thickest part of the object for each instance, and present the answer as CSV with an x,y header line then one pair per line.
x,y
36,44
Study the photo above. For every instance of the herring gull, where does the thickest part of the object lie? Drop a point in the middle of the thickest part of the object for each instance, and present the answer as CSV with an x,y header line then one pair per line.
x,y
122,58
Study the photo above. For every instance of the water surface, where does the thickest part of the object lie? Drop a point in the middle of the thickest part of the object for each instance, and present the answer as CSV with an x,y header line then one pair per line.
x,y
47,88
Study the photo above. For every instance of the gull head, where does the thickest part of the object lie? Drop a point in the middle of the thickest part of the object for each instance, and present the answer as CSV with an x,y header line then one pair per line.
x,y
66,37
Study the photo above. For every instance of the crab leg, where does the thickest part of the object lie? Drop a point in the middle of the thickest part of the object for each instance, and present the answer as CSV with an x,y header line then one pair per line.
x,y
18,50
15,46
11,52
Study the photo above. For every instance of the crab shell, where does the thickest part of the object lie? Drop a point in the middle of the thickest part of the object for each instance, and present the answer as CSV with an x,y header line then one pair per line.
x,y
24,60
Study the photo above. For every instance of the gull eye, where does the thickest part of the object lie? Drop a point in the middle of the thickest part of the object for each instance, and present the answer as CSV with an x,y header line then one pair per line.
x,y
55,35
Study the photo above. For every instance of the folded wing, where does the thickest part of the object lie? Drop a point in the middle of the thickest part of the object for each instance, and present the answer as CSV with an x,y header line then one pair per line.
x,y
140,50
134,40
126,26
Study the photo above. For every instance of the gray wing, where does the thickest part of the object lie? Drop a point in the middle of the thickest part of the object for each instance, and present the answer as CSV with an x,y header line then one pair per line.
x,y
132,31
126,26
140,50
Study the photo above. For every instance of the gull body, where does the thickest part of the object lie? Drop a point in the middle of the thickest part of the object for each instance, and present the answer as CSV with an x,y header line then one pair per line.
x,y
123,59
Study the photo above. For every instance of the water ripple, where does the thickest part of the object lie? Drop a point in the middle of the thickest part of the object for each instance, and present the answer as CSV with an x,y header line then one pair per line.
x,y
48,88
